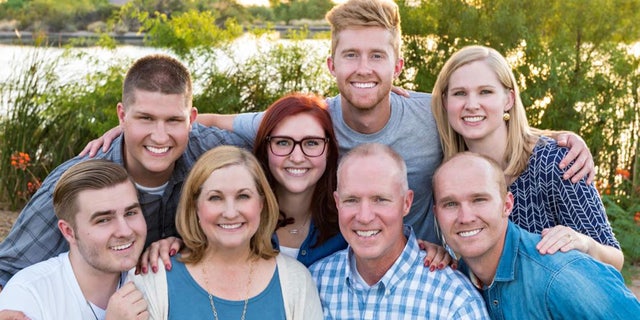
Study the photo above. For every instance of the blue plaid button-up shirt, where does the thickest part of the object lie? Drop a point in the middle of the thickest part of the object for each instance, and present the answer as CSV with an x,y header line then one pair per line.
x,y
408,290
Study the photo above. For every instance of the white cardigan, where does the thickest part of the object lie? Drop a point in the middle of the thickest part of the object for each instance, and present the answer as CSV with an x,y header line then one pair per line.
x,y
300,295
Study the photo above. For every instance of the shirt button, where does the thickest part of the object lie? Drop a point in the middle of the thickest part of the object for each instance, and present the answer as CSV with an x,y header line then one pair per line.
x,y
495,303
303,252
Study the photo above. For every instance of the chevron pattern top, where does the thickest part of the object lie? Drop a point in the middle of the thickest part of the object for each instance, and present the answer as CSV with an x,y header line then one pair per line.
x,y
543,199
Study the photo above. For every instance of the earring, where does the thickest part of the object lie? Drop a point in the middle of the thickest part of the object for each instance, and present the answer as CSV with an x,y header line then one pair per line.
x,y
506,116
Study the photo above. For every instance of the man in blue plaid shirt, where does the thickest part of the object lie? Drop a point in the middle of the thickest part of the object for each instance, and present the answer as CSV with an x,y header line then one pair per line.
x,y
381,274
159,144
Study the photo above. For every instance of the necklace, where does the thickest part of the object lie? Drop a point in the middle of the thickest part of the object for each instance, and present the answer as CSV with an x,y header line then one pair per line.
x,y
120,282
246,299
298,231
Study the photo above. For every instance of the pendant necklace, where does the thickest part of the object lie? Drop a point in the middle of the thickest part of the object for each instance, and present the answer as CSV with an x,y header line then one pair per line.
x,y
246,299
301,228
120,282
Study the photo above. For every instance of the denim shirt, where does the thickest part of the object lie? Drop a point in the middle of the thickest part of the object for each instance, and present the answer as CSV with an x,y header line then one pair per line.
x,y
309,254
570,285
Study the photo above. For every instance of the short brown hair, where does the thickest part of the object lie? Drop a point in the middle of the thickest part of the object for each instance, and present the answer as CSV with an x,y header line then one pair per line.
x,y
93,174
366,13
157,73
187,218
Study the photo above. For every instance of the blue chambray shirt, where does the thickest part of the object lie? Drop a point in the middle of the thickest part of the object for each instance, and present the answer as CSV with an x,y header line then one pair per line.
x,y
309,253
407,290
35,236
570,285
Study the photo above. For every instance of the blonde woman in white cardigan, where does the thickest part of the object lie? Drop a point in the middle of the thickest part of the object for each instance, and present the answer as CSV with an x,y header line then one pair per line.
x,y
229,269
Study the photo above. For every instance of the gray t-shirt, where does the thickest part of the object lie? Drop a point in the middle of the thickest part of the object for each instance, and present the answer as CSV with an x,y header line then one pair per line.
x,y
411,131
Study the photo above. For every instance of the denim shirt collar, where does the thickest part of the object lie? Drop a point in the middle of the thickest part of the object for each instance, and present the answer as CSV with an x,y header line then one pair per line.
x,y
507,265
400,268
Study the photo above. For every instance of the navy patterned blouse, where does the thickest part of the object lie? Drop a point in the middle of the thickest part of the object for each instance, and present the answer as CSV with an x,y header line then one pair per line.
x,y
543,199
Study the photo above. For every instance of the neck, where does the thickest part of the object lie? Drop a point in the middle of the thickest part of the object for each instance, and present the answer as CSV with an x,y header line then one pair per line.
x,y
366,121
493,148
485,266
97,286
227,257
295,205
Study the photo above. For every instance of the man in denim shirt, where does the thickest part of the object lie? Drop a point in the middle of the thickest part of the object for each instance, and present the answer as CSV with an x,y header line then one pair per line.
x,y
472,207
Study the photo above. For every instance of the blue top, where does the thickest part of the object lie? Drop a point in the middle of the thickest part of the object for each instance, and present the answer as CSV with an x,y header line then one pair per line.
x,y
542,199
411,131
35,236
188,300
569,285
309,254
406,291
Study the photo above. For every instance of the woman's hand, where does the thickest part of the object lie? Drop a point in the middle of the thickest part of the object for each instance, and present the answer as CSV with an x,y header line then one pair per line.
x,y
437,256
163,249
561,238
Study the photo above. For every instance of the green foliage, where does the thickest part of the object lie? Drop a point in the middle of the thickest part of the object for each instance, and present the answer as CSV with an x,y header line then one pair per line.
x,y
573,64
300,9
51,119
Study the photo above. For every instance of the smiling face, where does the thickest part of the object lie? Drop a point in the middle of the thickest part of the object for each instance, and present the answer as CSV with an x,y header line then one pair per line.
x,y
156,132
297,173
364,65
475,102
229,207
109,232
472,211
372,201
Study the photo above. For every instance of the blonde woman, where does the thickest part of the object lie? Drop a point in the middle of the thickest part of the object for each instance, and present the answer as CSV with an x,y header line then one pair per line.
x,y
477,107
228,268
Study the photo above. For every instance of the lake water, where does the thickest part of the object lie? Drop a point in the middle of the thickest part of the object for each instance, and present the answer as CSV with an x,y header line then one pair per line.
x,y
13,59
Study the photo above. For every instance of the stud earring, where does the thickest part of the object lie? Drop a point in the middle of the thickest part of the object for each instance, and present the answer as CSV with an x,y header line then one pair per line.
x,y
506,116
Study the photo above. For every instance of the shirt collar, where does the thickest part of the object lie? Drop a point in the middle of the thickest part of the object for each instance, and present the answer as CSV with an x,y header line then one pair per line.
x,y
408,259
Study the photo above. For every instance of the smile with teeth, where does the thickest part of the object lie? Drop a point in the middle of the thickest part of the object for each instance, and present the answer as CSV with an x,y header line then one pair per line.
x,y
367,233
157,150
230,226
473,118
469,233
297,171
364,85
122,246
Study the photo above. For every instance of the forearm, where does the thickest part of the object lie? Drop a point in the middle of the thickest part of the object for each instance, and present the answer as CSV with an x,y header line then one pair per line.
x,y
604,253
222,121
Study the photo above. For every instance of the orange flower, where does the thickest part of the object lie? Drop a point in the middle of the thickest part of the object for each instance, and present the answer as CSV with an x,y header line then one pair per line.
x,y
20,160
636,218
624,173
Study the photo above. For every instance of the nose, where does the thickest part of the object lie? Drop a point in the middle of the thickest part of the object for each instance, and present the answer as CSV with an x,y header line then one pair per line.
x,y
296,154
365,212
230,210
465,214
363,65
123,229
472,102
159,134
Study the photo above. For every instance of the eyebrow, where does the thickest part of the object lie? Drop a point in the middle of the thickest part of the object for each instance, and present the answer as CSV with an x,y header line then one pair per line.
x,y
110,212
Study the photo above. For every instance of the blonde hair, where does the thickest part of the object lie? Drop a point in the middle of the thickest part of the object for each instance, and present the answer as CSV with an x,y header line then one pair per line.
x,y
187,219
520,137
366,13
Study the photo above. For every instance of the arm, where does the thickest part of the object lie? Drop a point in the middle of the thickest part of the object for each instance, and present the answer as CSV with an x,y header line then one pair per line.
x,y
579,160
564,239
34,236
222,121
579,207
162,249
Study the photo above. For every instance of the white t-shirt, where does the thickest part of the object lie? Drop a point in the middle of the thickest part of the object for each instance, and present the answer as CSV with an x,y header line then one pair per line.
x,y
48,290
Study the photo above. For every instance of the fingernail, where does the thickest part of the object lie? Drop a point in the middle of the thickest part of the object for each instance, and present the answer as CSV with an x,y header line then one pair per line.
x,y
441,266
167,266
454,267
144,270
432,268
154,269
172,252
428,262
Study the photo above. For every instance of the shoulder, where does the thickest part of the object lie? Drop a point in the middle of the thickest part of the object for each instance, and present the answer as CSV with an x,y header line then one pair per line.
x,y
291,267
41,272
547,150
330,262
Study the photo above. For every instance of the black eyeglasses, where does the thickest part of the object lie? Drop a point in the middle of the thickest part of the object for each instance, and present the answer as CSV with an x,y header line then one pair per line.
x,y
283,146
